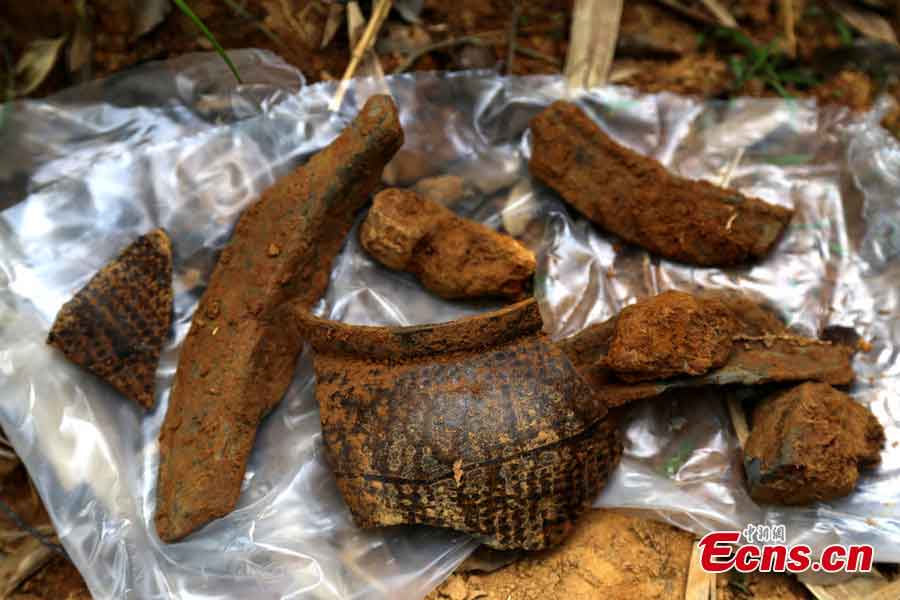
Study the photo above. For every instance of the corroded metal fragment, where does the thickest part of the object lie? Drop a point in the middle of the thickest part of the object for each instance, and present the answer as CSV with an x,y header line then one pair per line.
x,y
808,444
453,257
763,350
116,325
240,353
479,425
636,198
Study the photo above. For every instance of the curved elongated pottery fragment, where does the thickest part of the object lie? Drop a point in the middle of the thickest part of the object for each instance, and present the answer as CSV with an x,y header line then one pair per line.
x,y
240,353
479,425
636,198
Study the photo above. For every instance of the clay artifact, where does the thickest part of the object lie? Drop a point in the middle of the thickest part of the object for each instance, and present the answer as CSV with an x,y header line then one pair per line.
x,y
808,444
760,348
115,326
240,353
670,334
453,257
479,425
636,198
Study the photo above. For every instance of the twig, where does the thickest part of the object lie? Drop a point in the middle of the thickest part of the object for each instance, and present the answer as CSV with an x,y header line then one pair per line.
x,y
369,66
379,14
511,38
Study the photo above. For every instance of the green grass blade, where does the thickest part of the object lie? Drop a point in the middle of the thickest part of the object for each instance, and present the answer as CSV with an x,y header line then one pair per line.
x,y
844,31
776,85
738,68
181,4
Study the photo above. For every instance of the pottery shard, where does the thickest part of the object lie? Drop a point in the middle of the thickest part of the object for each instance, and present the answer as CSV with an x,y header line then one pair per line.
x,y
239,355
479,425
116,325
636,198
808,444
673,333
762,351
453,257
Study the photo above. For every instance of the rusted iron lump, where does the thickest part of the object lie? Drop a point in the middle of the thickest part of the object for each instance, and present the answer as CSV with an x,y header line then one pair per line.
x,y
240,353
479,425
636,198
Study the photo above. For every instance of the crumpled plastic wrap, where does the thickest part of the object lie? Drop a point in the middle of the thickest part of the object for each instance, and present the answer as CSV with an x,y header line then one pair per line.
x,y
178,145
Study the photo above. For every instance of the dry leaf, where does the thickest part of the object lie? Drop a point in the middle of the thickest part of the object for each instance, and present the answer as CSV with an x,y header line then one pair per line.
x,y
36,63
870,24
595,28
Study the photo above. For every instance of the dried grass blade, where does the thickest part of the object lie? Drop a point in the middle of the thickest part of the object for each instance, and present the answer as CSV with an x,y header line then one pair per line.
x,y
595,28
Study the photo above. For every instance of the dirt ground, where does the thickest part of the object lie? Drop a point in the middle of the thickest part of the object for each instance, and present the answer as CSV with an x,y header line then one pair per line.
x,y
610,555
659,48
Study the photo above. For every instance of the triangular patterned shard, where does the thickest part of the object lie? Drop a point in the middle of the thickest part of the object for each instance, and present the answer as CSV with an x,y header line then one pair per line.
x,y
116,325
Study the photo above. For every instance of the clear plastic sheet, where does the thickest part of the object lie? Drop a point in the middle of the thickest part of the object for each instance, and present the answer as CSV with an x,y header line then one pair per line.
x,y
177,145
